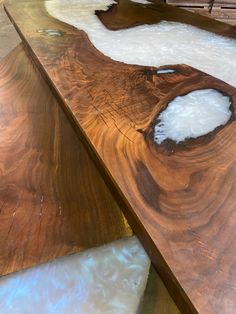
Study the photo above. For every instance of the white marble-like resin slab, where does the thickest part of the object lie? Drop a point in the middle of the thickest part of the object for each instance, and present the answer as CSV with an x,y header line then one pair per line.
x,y
106,280
192,115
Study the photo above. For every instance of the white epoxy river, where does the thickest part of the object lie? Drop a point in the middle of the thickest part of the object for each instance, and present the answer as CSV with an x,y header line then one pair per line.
x,y
165,43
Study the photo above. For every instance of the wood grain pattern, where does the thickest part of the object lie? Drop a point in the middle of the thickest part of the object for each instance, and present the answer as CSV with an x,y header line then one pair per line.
x,y
53,201
179,199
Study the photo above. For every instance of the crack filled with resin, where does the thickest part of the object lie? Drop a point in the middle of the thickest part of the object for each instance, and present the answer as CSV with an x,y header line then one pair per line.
x,y
192,115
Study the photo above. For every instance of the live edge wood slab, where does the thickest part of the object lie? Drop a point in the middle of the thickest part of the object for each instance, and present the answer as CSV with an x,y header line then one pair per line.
x,y
179,199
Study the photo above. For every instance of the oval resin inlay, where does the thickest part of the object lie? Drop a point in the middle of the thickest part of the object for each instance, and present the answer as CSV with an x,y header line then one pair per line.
x,y
193,115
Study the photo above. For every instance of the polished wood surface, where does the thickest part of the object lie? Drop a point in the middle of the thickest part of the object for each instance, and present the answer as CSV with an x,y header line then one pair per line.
x,y
53,201
179,199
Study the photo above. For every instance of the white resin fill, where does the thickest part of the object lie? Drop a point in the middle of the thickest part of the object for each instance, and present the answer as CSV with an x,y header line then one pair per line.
x,y
192,115
106,280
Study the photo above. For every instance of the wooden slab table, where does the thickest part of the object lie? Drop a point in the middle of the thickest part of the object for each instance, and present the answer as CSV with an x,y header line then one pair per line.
x,y
179,199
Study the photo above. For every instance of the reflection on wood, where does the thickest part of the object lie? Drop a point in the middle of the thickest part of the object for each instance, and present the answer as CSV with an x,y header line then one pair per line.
x,y
156,299
181,199
9,38
52,199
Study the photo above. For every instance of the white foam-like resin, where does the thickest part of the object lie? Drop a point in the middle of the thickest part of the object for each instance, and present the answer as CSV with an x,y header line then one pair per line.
x,y
164,43
106,280
192,115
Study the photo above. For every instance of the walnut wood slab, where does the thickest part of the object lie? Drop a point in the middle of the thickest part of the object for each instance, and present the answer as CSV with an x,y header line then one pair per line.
x,y
179,199
53,200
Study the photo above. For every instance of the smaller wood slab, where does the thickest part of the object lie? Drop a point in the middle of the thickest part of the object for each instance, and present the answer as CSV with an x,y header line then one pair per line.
x,y
53,200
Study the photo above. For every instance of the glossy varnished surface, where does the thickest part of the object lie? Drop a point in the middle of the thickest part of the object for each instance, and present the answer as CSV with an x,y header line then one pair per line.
x,y
180,199
52,199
